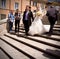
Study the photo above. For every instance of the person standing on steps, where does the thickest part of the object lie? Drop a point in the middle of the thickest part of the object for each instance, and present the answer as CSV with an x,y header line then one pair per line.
x,y
27,19
17,21
52,17
10,20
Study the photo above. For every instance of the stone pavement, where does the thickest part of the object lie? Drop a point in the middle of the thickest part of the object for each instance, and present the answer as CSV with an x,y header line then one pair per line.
x,y
15,46
3,21
2,29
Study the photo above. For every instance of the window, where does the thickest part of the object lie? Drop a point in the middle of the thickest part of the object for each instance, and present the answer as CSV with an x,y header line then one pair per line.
x,y
34,3
31,3
16,5
3,3
3,16
54,0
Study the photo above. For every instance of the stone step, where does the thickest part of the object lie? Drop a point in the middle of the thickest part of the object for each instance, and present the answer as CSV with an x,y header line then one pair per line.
x,y
36,45
53,37
56,26
36,54
11,52
19,47
54,32
56,29
3,54
49,42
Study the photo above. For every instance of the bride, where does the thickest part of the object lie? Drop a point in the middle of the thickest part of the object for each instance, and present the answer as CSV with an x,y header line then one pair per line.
x,y
37,26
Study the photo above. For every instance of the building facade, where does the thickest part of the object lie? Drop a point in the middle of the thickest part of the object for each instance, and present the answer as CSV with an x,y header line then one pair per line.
x,y
7,5
54,0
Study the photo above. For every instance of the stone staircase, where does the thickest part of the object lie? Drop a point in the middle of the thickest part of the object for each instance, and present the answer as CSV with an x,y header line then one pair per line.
x,y
30,47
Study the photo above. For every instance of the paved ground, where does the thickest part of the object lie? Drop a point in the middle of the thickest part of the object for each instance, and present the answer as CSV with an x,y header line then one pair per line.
x,y
2,29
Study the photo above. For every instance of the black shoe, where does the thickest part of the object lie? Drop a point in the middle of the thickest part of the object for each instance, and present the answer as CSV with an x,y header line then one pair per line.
x,y
27,34
49,34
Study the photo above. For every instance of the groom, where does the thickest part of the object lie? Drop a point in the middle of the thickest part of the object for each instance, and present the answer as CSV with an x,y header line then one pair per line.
x,y
27,18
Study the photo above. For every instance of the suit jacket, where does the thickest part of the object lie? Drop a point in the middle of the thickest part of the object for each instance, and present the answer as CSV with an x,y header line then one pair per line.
x,y
30,16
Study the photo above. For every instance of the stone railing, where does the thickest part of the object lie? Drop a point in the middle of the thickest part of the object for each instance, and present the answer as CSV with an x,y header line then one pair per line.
x,y
3,21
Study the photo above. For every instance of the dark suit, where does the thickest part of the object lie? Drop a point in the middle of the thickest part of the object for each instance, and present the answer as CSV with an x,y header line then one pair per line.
x,y
27,22
52,17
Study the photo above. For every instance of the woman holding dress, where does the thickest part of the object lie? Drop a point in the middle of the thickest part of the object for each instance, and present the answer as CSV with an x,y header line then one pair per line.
x,y
37,26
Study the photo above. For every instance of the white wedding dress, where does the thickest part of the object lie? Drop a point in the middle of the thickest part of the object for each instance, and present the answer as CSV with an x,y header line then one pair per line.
x,y
37,27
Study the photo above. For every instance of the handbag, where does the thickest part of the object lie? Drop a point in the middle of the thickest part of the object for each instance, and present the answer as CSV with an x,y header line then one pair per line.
x,y
17,18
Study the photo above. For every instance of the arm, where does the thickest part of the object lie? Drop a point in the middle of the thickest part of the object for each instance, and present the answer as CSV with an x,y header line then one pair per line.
x,y
23,16
9,15
32,16
20,15
15,15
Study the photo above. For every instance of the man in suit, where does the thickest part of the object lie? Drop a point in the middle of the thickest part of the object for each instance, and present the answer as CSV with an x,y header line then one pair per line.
x,y
52,17
27,19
